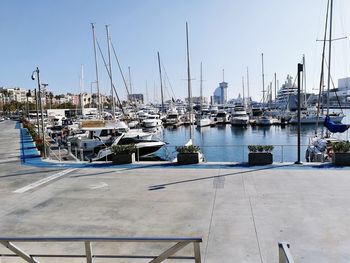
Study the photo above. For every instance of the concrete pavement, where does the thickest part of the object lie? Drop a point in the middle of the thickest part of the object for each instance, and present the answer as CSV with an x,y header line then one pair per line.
x,y
241,213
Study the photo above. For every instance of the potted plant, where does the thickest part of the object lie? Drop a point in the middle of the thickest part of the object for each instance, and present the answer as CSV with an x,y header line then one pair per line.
x,y
340,153
188,154
260,154
123,154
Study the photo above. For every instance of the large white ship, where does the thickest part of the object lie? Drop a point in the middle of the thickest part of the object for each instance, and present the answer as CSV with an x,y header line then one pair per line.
x,y
287,91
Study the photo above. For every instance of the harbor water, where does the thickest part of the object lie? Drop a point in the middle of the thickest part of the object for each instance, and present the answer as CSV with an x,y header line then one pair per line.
x,y
226,143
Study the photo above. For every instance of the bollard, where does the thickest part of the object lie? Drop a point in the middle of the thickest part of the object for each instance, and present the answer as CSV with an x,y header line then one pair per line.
x,y
81,154
59,153
69,147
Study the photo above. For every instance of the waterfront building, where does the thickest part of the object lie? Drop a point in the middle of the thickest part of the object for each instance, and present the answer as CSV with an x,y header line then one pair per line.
x,y
220,94
15,94
198,100
136,98
342,92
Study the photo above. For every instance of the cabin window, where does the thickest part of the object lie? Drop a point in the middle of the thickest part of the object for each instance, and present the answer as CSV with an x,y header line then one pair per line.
x,y
104,133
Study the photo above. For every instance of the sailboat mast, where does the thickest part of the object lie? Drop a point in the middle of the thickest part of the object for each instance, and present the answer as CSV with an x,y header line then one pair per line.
x,y
161,82
201,89
130,85
329,54
82,90
99,110
321,87
243,90
248,86
147,99
275,88
110,70
189,81
263,77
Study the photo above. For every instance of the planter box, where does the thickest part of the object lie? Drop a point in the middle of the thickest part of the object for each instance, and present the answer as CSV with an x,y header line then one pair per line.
x,y
187,158
123,158
341,159
260,158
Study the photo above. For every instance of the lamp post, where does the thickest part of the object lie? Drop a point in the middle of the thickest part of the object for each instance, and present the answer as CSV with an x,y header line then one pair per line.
x,y
41,107
300,69
37,110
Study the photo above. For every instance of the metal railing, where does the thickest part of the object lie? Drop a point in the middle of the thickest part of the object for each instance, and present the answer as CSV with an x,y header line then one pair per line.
x,y
89,256
239,152
284,253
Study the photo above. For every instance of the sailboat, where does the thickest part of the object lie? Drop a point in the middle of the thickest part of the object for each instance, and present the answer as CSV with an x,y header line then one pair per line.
x,y
239,115
203,119
320,148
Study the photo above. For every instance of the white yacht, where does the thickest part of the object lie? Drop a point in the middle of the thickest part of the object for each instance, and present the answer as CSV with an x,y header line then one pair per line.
x,y
173,117
143,147
203,119
94,133
265,120
152,121
222,117
239,116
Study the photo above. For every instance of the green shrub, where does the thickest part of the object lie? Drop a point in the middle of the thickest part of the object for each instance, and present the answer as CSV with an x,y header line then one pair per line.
x,y
260,148
252,148
187,149
341,147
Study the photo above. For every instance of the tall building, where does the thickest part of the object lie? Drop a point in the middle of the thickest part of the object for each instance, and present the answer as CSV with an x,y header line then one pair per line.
x,y
14,94
220,93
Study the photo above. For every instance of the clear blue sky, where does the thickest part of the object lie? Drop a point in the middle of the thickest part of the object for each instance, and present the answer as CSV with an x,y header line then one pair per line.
x,y
224,34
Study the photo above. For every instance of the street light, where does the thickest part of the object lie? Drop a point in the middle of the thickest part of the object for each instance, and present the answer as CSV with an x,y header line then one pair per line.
x,y
36,72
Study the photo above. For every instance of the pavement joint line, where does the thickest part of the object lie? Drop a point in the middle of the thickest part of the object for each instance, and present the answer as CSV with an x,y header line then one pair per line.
x,y
43,181
9,159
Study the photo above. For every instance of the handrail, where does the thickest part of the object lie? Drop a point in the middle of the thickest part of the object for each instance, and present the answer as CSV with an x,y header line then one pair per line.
x,y
180,243
284,253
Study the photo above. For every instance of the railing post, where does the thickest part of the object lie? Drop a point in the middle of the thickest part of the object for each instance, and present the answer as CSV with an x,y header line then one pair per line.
x,y
88,252
59,153
197,252
243,153
69,145
19,252
81,154
282,153
284,253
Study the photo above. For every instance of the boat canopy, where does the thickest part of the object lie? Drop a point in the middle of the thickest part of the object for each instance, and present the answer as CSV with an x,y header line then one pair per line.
x,y
332,127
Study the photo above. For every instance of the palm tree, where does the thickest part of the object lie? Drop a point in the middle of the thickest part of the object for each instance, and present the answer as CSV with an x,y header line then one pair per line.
x,y
51,97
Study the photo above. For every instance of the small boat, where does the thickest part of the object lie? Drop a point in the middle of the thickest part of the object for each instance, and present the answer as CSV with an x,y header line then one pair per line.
x,y
203,121
265,121
310,117
133,124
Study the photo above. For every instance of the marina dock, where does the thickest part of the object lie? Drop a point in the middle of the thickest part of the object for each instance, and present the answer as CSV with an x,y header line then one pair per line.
x,y
241,213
